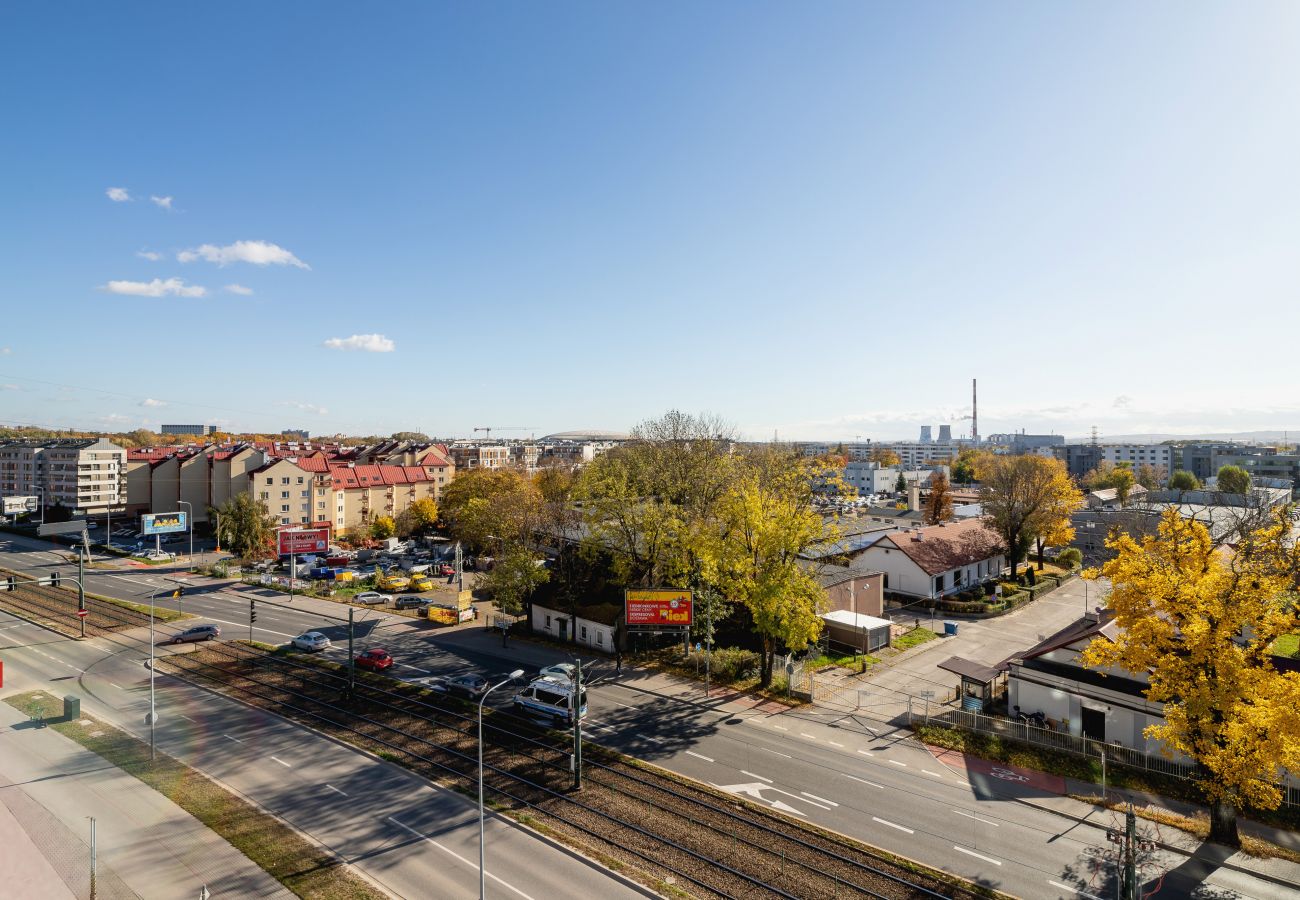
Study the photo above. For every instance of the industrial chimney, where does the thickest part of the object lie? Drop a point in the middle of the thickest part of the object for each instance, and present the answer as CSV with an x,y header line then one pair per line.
x,y
945,434
925,435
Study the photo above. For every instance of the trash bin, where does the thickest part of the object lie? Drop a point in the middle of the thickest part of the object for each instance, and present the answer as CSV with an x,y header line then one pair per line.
x,y
71,708
949,628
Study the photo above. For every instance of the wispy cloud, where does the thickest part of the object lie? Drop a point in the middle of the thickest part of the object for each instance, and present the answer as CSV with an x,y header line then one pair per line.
x,y
118,195
1123,401
151,402
115,419
173,287
371,343
151,255
239,289
9,387
259,253
306,407
162,202
5,351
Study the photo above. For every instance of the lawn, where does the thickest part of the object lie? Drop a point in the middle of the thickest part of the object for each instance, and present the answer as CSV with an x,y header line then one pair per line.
x,y
291,859
914,637
1287,645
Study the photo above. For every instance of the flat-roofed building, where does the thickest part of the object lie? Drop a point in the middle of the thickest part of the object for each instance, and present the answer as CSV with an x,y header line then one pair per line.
x,y
85,475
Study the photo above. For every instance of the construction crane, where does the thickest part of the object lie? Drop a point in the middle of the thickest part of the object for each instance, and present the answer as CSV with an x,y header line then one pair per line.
x,y
488,429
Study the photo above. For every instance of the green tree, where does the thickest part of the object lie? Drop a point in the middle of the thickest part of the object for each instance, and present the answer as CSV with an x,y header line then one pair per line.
x,y
418,437
1234,480
247,528
490,509
884,457
900,486
963,467
938,503
1182,480
1021,497
382,528
1150,477
513,578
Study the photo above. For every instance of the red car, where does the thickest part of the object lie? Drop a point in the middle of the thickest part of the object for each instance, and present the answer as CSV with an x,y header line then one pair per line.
x,y
445,569
375,660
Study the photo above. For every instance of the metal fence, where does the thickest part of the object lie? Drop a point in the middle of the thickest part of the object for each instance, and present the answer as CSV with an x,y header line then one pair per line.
x,y
1115,754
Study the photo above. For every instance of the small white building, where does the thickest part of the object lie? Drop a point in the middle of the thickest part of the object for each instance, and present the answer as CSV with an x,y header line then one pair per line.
x,y
561,625
928,563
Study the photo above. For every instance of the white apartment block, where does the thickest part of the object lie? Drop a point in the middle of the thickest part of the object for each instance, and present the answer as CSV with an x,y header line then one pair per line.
x,y
1159,455
480,456
87,476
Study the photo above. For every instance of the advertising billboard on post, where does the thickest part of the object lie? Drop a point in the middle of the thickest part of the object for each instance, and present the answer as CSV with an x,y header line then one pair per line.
x,y
17,505
304,540
163,523
658,606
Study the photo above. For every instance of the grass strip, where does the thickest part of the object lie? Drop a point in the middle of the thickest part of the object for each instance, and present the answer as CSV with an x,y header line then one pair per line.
x,y
300,865
161,613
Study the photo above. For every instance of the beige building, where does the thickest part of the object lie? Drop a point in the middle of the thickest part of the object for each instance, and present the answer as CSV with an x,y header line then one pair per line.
x,y
85,475
480,456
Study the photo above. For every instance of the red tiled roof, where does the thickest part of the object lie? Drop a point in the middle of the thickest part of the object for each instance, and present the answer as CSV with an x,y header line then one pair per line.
x,y
313,463
433,458
369,476
942,547
415,473
344,477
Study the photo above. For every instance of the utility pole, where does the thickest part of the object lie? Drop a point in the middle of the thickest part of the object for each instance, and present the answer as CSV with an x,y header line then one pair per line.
x,y
93,849
1130,854
352,661
81,590
575,709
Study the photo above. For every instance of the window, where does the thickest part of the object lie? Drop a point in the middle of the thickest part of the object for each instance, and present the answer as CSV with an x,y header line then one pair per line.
x,y
284,495
270,481
548,621
264,496
284,480
303,493
584,632
320,504
600,637
306,506
284,521
304,520
284,508
300,479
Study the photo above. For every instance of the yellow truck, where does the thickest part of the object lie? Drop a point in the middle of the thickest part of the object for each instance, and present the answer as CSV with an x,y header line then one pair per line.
x,y
386,582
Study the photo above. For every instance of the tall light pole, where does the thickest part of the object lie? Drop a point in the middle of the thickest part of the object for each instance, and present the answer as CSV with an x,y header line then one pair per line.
x,y
218,515
482,877
153,709
190,510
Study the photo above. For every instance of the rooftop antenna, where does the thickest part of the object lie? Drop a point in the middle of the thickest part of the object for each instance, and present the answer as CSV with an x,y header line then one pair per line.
x,y
1094,435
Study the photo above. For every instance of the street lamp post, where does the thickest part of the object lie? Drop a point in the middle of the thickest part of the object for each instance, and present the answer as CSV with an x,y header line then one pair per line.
x,y
482,878
189,509
218,515
153,709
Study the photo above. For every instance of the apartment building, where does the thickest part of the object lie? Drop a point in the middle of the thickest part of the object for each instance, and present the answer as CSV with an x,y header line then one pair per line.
x,y
480,456
1159,455
299,491
85,475
188,429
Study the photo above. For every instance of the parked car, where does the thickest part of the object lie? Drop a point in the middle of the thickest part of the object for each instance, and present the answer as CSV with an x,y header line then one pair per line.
x,y
445,569
372,598
157,555
410,602
195,634
311,640
469,685
375,660
559,672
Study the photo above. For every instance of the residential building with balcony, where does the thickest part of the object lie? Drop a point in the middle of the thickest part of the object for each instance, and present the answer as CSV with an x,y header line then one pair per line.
x,y
88,476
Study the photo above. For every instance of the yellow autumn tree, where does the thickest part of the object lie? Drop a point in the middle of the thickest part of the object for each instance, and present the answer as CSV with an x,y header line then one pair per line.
x,y
1053,527
1026,498
1199,622
766,519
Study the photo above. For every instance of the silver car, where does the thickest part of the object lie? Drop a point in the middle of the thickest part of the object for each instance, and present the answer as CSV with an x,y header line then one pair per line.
x,y
311,640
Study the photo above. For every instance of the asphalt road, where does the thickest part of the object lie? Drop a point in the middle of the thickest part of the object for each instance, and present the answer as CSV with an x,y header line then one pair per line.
x,y
858,776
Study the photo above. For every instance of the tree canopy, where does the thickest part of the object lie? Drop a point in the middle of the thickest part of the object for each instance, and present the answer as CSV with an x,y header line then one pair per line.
x,y
247,528
938,503
418,518
963,467
1026,498
1234,480
490,508
1182,480
885,457
1199,623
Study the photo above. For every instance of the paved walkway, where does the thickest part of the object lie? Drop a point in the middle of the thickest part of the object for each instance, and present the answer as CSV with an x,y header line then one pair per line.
x,y
147,846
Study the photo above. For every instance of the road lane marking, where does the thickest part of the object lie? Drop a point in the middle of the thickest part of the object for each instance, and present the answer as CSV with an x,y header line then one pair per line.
x,y
616,703
699,756
118,686
819,799
996,862
651,737
335,790
892,824
866,753
780,728
835,743
975,817
185,717
752,775
1072,890
455,855
807,735
229,738
416,668
786,755
282,762
928,772
894,762
863,780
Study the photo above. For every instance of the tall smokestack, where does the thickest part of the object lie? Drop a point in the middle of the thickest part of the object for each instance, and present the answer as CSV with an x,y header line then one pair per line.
x,y
974,414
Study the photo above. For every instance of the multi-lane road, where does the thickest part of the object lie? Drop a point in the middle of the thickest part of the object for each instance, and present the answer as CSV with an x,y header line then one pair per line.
x,y
860,777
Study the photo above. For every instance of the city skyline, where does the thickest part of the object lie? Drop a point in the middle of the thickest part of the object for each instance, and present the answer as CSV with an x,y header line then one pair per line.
x,y
427,219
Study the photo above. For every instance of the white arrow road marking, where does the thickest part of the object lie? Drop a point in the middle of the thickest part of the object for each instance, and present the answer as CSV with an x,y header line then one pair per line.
x,y
818,799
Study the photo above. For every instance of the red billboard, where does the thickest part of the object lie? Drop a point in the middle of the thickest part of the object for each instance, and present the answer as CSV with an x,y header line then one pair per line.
x,y
658,606
304,540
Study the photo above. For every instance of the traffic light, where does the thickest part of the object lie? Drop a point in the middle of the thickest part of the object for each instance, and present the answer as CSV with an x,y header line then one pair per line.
x,y
11,583
179,592
252,611
55,578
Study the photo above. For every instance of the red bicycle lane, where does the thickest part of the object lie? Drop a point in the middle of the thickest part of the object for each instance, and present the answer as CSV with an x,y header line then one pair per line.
x,y
1005,772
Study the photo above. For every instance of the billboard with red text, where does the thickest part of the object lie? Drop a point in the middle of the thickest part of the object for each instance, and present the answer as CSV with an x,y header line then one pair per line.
x,y
658,606
304,540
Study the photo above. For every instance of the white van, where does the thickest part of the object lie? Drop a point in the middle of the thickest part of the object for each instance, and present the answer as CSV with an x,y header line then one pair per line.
x,y
550,698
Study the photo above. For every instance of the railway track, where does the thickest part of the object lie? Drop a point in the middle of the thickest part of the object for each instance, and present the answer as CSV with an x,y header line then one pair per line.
x,y
56,607
678,832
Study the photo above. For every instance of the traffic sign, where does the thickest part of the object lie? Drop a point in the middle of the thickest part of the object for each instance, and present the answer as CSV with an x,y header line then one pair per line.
x,y
83,613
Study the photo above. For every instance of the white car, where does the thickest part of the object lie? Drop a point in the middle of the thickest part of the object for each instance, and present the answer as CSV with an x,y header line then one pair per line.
x,y
373,598
158,556
558,672
311,640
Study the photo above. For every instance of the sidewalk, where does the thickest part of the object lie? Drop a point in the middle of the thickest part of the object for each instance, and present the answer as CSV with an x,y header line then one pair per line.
x,y
146,845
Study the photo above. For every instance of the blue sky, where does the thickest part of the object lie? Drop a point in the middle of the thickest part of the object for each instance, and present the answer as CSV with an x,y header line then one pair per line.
x,y
818,219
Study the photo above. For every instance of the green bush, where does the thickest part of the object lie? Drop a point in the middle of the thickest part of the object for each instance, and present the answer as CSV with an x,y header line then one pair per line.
x,y
1070,558
732,663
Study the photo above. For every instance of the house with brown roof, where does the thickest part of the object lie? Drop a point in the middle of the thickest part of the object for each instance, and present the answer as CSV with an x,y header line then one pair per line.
x,y
929,563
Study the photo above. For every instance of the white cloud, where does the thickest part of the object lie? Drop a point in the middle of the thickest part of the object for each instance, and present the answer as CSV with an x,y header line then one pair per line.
x,y
371,343
118,195
259,253
156,288
307,407
239,289
149,401
1123,401
9,387
151,255
163,202
115,419
5,351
